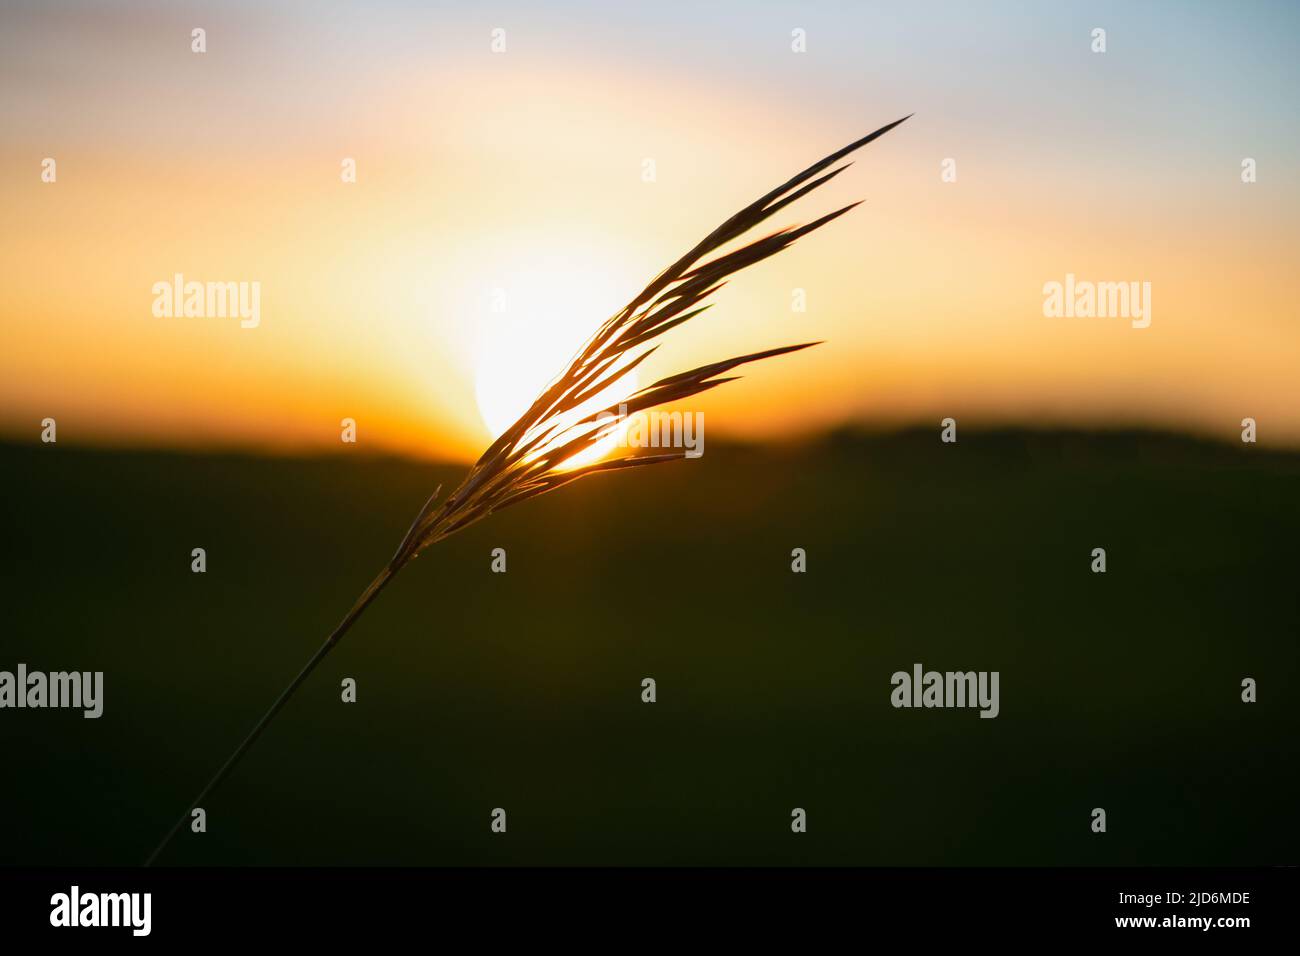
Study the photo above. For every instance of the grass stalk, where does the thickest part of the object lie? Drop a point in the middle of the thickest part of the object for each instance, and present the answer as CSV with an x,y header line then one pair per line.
x,y
336,635
532,456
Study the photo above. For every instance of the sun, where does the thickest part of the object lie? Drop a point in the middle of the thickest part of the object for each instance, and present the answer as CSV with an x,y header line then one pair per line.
x,y
521,347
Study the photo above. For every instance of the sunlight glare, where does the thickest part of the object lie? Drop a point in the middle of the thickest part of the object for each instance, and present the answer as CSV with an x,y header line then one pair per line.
x,y
523,346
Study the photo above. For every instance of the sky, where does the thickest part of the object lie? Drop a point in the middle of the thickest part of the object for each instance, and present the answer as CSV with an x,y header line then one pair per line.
x,y
501,211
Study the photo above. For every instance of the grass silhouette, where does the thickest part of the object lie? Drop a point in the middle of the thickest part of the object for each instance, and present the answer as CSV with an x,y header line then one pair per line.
x,y
529,458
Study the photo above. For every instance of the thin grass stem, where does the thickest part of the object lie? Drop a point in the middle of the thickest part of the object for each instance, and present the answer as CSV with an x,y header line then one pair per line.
x,y
336,635
533,455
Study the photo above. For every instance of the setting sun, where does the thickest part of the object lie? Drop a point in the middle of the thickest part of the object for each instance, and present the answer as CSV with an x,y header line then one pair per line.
x,y
521,345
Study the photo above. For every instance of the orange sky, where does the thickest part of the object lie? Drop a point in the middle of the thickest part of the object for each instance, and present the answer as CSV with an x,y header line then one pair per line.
x,y
522,172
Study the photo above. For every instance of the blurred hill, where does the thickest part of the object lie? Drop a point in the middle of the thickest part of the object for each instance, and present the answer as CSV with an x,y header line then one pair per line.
x,y
522,690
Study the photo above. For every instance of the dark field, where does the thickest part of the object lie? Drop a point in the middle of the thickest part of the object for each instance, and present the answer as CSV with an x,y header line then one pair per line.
x,y
522,690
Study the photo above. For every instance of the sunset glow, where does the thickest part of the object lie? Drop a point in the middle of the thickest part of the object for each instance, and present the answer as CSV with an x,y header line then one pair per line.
x,y
525,172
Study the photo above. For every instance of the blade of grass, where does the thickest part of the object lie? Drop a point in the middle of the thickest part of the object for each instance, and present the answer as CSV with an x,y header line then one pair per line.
x,y
528,459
